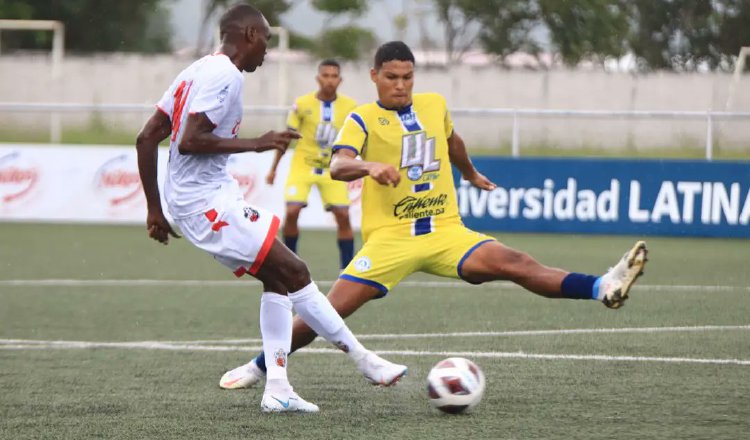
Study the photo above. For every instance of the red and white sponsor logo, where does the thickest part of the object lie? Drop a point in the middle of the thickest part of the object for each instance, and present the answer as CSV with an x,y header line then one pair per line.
x,y
118,181
18,177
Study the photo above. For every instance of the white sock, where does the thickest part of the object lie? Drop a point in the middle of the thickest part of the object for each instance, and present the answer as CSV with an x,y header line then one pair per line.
x,y
276,330
313,307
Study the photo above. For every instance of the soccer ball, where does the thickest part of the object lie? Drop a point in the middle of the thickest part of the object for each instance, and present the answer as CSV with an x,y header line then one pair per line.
x,y
455,385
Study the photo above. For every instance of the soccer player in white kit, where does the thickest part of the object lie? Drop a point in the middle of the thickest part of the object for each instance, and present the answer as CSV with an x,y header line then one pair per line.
x,y
201,113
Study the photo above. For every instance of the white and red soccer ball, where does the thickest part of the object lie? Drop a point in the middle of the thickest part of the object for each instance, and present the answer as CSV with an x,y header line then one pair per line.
x,y
455,385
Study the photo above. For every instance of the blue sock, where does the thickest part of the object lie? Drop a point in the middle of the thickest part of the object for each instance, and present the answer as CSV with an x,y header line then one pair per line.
x,y
260,361
291,242
580,286
346,251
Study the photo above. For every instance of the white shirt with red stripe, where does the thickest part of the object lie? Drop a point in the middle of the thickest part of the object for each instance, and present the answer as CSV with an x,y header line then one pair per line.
x,y
211,85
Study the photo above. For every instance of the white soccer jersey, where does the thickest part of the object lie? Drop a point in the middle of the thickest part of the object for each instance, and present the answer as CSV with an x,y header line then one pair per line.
x,y
211,85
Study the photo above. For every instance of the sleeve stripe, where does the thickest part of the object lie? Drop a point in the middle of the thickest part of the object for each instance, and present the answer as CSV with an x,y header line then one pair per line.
x,y
358,120
344,147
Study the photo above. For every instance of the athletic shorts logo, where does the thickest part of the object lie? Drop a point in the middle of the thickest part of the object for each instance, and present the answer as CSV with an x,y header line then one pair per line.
x,y
251,214
362,264
280,357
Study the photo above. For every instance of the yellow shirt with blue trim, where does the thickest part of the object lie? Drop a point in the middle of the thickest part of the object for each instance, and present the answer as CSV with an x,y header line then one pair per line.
x,y
318,122
414,140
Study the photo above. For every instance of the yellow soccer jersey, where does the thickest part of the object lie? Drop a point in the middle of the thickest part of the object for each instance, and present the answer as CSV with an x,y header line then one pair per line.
x,y
414,140
318,122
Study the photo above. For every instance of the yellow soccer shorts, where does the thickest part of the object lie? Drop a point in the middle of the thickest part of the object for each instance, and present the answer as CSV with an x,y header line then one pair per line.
x,y
387,258
334,193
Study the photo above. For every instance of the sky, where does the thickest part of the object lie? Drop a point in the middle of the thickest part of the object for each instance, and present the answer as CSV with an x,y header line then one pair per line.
x,y
304,19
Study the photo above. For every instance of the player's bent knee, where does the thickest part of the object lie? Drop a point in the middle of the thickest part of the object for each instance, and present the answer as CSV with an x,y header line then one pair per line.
x,y
296,275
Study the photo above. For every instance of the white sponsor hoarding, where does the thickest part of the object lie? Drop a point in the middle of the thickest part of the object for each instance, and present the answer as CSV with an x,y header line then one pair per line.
x,y
100,184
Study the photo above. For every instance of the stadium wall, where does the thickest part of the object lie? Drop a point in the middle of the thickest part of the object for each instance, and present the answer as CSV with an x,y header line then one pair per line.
x,y
683,198
142,79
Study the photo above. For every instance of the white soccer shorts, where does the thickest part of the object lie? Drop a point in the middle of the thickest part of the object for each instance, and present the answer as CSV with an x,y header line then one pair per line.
x,y
237,234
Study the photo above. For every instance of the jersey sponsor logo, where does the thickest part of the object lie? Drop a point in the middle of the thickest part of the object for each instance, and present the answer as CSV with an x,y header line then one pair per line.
x,y
411,207
362,264
118,182
383,121
18,177
418,155
223,94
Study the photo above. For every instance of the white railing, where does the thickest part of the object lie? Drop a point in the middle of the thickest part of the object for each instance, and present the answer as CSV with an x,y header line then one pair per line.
x,y
516,114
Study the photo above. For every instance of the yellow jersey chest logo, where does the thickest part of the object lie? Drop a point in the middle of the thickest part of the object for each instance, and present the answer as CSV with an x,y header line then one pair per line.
x,y
418,155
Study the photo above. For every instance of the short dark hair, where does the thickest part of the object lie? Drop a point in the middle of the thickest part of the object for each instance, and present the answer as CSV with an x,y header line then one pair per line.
x,y
393,50
330,62
235,16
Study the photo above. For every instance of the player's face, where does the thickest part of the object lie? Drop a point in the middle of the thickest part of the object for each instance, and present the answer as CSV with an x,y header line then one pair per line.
x,y
329,79
394,81
258,36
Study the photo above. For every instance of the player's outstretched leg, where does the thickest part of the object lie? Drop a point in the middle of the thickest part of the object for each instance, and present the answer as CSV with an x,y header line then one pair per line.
x,y
495,261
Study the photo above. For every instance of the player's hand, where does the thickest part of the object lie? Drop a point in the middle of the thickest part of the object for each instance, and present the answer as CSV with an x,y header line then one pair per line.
x,y
480,181
385,174
159,228
276,140
270,177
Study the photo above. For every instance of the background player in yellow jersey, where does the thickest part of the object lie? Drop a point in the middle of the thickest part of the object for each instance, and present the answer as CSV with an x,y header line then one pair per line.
x,y
410,220
317,116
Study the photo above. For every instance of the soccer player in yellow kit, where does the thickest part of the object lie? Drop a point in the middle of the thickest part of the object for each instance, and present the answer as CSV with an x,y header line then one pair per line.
x,y
410,219
317,116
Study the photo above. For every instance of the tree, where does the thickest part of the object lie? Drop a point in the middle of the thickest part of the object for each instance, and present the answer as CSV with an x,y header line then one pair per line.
x,y
92,25
336,7
672,34
586,29
460,19
347,42
507,26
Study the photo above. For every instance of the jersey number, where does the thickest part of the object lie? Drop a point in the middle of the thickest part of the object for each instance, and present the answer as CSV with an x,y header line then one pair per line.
x,y
180,98
418,155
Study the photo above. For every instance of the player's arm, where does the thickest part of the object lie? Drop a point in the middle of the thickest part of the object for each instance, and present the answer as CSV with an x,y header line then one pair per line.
x,y
198,138
156,129
345,166
460,158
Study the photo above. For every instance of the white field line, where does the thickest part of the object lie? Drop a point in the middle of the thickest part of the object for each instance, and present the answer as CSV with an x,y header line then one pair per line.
x,y
396,336
67,345
573,331
253,283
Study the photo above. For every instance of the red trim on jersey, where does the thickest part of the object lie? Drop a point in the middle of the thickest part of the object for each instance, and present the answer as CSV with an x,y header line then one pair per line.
x,y
267,243
211,215
240,271
218,225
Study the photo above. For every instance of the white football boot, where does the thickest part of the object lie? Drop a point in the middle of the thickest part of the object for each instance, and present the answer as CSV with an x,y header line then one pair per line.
x,y
616,283
379,371
244,376
286,402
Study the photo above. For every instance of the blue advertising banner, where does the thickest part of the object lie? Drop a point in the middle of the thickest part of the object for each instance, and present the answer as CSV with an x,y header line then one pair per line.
x,y
610,196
